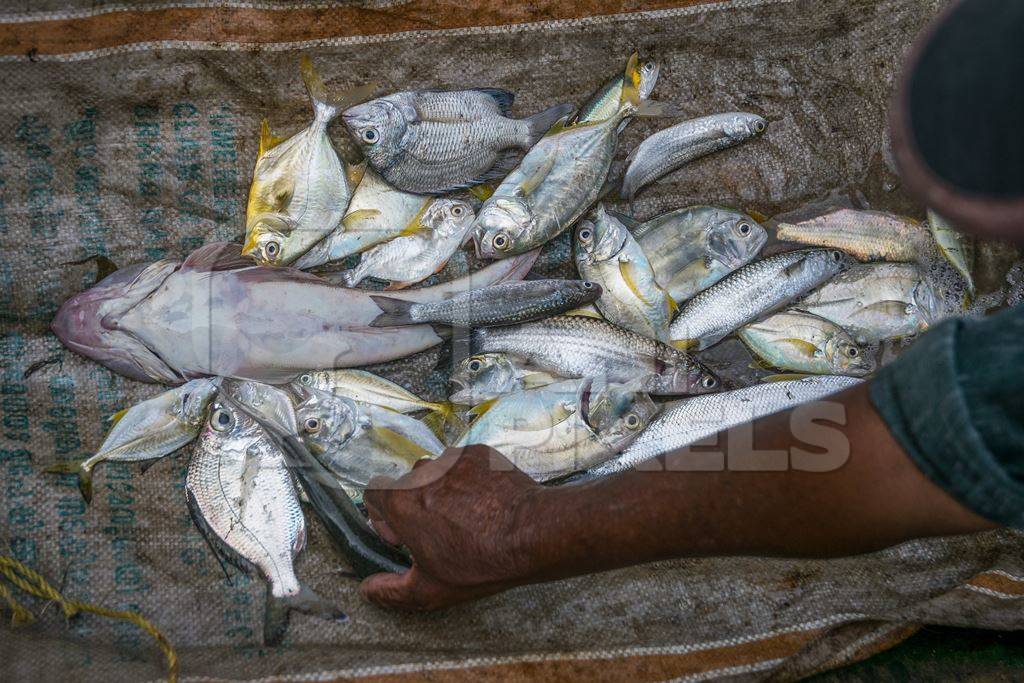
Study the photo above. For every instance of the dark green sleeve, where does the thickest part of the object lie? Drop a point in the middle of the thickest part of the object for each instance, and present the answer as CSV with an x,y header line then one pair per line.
x,y
955,402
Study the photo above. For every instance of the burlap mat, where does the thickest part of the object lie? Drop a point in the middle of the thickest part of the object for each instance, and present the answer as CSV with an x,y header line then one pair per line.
x,y
133,133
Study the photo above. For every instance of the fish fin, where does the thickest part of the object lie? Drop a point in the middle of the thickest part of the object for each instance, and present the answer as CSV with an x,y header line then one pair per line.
x,y
268,140
526,188
354,173
757,216
794,268
278,609
394,285
785,377
479,409
216,256
503,98
585,312
672,304
534,380
400,445
628,271
686,344
116,417
326,106
84,476
802,345
483,191
653,109
562,125
627,220
396,312
104,266
358,215
541,123
442,415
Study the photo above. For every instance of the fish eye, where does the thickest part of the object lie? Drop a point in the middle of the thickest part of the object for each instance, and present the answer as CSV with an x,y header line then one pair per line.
x,y
475,365
311,425
273,248
587,284
633,421
852,352
759,126
837,256
221,420
708,382
306,379
502,242
458,210
370,135
585,235
648,67
743,228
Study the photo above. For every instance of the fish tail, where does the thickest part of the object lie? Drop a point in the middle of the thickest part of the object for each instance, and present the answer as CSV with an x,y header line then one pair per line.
x,y
442,416
396,312
278,610
78,468
540,123
327,105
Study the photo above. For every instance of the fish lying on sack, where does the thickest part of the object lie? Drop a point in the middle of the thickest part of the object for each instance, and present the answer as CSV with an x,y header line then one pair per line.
x,y
803,342
605,101
866,235
300,187
218,314
435,141
485,376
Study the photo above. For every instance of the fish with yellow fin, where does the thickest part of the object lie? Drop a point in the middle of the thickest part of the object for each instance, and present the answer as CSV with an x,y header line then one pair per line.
x,y
300,187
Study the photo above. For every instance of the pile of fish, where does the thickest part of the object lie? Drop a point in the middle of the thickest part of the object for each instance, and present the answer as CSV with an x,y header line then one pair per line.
x,y
262,342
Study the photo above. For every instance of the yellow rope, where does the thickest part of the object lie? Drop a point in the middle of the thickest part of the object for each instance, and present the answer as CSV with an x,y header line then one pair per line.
x,y
34,584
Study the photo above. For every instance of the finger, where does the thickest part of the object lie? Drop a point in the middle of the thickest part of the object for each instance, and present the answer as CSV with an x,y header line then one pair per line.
x,y
388,590
385,531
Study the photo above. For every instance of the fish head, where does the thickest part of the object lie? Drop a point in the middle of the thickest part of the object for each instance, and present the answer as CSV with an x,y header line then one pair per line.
x,y
327,422
315,379
687,378
193,398
649,70
502,227
89,323
925,306
617,413
379,126
743,126
582,292
734,239
448,217
272,404
601,237
268,239
482,377
230,430
847,357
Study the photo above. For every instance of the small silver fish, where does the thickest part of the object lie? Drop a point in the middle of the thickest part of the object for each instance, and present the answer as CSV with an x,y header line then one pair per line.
x,y
367,387
432,142
803,342
867,235
409,259
672,148
579,346
630,295
957,247
377,213
300,188
605,101
691,249
693,419
877,301
243,498
562,428
485,376
149,430
751,292
505,304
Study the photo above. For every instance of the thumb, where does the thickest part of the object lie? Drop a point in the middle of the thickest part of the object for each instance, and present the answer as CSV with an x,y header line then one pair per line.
x,y
387,590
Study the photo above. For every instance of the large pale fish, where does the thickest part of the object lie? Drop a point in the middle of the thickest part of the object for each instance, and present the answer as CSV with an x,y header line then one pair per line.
x,y
436,141
753,291
803,342
580,346
300,187
376,214
506,304
562,428
218,314
867,235
149,430
693,419
605,101
367,387
630,295
244,500
957,247
559,179
691,249
877,301
485,376
672,148
408,259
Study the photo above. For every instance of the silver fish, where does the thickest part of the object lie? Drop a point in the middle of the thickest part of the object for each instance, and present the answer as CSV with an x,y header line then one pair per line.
x,y
867,235
300,188
409,259
149,430
243,499
877,301
367,387
217,314
358,441
579,346
557,180
957,247
630,296
691,249
377,213
507,304
433,141
693,419
485,376
751,292
803,342
672,148
562,428
605,101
